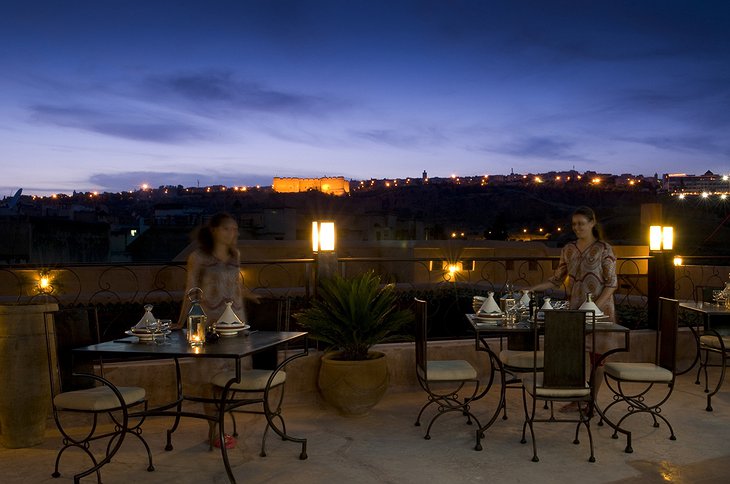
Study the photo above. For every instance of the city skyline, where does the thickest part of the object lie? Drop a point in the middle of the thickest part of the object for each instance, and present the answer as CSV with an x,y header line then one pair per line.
x,y
110,95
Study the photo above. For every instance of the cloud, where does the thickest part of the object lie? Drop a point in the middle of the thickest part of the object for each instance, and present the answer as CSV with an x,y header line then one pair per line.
x,y
685,143
132,180
403,138
217,93
133,126
537,147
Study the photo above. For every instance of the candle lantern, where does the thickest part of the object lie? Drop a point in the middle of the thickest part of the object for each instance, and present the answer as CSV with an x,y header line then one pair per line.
x,y
197,320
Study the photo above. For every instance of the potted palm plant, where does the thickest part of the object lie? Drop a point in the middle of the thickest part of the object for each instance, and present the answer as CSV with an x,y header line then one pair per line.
x,y
350,316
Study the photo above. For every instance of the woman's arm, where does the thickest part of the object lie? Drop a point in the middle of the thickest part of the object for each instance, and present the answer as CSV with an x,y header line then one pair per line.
x,y
558,276
610,280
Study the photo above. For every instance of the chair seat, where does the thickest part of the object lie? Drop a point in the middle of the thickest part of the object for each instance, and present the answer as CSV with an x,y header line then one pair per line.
x,y
640,372
450,370
714,341
540,391
521,359
98,399
251,380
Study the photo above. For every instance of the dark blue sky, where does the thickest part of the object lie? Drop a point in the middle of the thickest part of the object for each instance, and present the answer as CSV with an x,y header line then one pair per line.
x,y
107,95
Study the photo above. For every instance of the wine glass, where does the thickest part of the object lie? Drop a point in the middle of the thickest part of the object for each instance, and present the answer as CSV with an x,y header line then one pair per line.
x,y
163,327
718,296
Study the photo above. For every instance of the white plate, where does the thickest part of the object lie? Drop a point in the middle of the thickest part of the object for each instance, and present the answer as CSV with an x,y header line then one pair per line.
x,y
145,336
231,327
490,316
227,332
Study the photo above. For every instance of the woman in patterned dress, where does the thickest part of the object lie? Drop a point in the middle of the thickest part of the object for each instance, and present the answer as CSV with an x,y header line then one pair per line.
x,y
589,265
214,267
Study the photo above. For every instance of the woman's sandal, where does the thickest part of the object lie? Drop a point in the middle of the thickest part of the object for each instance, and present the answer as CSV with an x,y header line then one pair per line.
x,y
229,440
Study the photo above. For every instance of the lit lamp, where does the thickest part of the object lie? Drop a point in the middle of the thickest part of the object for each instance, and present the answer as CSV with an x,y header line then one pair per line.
x,y
323,245
660,271
323,237
197,320
44,283
661,238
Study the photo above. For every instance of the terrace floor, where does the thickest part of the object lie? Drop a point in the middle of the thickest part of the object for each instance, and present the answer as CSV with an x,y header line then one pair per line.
x,y
385,447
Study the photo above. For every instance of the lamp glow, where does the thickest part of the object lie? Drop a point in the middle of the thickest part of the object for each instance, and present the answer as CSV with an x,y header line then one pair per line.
x,y
661,238
655,237
678,261
323,236
667,238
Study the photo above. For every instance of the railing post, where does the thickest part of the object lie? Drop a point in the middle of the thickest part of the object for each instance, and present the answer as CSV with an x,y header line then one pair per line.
x,y
660,281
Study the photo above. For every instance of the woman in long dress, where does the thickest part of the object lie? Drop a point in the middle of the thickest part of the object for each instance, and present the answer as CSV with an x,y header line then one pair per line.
x,y
588,266
214,268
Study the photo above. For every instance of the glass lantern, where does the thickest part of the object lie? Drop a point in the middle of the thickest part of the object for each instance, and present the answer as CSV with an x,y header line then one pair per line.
x,y
197,320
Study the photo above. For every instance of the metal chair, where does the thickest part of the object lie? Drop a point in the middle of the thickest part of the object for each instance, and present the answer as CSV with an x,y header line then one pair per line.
x,y
88,393
442,380
256,386
631,382
714,340
564,376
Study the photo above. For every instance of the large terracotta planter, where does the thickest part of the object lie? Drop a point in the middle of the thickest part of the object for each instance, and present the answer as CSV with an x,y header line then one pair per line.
x,y
25,398
353,387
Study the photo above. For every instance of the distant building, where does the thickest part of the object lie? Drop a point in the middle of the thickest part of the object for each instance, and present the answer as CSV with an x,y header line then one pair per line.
x,y
710,183
329,185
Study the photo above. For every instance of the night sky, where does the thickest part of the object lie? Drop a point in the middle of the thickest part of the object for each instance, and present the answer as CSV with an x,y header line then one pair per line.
x,y
106,95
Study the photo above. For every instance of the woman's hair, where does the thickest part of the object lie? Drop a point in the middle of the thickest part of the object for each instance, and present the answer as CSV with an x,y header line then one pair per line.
x,y
588,213
205,233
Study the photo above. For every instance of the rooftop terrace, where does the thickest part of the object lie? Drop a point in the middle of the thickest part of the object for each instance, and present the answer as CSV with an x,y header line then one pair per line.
x,y
386,447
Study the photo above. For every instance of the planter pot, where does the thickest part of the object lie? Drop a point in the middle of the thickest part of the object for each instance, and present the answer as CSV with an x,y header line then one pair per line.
x,y
25,399
353,387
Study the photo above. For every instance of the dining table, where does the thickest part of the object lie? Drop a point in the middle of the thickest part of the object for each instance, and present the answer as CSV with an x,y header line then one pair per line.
x,y
176,347
489,332
709,314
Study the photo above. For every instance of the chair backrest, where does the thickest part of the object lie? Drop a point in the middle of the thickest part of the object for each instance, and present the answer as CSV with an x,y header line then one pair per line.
x,y
667,334
421,310
564,347
67,329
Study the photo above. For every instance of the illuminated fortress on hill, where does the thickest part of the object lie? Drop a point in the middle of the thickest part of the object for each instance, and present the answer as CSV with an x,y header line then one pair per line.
x,y
330,185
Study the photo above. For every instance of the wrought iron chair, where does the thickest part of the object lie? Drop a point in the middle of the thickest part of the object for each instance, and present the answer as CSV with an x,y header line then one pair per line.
x,y
256,386
715,340
564,377
88,393
441,379
631,382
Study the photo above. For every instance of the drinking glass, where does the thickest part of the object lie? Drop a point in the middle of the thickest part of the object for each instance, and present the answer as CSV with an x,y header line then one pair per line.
x,y
718,296
163,326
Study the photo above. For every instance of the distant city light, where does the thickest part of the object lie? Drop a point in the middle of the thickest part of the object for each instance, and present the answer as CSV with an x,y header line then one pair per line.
x,y
538,179
145,186
453,176
596,181
725,178
681,196
524,231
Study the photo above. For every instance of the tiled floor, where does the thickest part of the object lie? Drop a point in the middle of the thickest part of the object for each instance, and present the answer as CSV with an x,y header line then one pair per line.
x,y
385,447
